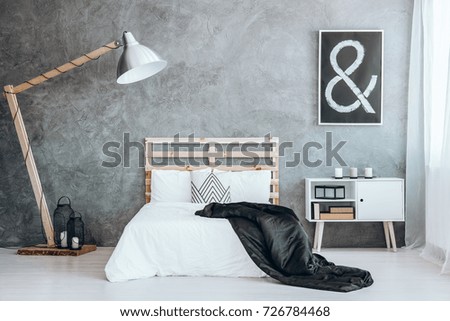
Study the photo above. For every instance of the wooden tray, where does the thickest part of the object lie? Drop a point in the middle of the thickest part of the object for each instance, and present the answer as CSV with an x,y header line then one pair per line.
x,y
44,250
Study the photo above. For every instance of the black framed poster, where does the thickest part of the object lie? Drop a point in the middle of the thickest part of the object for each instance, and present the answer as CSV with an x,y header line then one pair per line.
x,y
351,77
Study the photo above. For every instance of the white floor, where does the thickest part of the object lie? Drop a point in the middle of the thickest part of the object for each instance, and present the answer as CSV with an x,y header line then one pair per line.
x,y
398,276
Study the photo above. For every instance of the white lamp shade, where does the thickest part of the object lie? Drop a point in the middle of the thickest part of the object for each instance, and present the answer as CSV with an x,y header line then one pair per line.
x,y
137,61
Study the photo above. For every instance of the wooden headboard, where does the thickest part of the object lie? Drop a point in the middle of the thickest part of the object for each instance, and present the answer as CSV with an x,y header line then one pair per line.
x,y
230,154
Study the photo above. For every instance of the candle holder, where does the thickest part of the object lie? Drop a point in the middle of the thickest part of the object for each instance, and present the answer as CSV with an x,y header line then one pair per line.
x,y
60,218
75,231
338,173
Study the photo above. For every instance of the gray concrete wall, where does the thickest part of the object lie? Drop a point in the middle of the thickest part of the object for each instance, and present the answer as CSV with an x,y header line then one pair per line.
x,y
236,68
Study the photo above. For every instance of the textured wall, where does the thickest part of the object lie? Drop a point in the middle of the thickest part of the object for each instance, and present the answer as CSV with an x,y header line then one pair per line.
x,y
236,68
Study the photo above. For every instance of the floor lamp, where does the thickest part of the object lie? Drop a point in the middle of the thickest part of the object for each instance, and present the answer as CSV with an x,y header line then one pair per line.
x,y
136,63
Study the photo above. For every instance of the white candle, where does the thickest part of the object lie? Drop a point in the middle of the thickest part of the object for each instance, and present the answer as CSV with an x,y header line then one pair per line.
x,y
353,172
75,243
368,172
63,237
338,173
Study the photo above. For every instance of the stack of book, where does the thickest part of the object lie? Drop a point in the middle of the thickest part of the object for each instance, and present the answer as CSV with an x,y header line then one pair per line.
x,y
335,213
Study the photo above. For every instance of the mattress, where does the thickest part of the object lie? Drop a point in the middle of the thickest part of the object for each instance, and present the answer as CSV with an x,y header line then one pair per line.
x,y
168,239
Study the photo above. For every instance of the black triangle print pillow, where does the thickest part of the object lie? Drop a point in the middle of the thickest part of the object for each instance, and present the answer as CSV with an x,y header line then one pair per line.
x,y
208,188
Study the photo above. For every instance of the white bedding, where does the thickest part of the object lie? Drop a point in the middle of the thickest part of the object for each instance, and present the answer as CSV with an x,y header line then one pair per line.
x,y
167,239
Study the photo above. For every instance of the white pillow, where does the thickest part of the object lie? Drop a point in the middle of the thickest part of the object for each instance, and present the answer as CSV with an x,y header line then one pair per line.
x,y
170,186
206,187
247,186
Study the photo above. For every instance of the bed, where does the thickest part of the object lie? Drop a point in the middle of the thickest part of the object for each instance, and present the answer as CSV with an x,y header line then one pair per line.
x,y
166,238
212,209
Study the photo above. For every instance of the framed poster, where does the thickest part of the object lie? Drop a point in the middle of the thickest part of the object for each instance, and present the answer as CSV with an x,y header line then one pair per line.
x,y
351,77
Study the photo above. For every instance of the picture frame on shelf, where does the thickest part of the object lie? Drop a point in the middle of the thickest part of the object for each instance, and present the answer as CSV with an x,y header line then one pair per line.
x,y
329,192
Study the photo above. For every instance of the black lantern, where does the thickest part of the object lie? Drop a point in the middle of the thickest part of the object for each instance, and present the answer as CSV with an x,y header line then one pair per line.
x,y
75,231
60,217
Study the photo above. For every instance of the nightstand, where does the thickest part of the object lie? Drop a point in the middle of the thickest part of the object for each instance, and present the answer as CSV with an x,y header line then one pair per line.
x,y
364,200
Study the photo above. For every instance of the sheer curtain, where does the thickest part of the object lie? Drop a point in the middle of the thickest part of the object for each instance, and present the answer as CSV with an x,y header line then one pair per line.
x,y
428,152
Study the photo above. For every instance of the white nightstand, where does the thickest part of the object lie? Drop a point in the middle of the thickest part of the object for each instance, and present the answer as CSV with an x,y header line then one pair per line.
x,y
372,200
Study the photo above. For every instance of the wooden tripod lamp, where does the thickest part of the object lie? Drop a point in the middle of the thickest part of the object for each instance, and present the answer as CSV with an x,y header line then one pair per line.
x,y
136,63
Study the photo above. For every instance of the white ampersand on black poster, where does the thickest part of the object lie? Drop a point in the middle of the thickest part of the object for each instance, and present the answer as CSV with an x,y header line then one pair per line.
x,y
350,77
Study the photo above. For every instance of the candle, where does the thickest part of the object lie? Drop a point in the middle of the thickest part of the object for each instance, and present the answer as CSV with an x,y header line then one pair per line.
x,y
353,172
368,172
75,243
63,237
338,173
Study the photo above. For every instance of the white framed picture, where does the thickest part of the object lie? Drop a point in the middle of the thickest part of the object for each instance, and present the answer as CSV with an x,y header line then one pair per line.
x,y
350,77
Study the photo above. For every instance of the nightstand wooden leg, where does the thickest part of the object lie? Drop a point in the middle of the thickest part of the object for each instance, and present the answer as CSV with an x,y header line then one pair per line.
x,y
318,236
386,234
392,234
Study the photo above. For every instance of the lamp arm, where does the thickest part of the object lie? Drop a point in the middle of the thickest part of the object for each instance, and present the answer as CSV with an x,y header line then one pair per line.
x,y
78,62
31,165
10,93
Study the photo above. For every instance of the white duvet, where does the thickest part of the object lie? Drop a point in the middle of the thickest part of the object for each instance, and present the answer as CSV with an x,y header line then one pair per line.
x,y
167,239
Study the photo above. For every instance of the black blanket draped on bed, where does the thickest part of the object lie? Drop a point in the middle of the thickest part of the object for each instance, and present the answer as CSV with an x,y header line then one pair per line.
x,y
275,240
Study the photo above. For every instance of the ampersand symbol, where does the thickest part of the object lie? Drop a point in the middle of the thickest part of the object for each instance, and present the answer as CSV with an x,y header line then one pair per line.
x,y
344,75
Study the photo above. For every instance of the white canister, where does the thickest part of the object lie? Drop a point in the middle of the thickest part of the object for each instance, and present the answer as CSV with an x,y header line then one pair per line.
x,y
338,173
368,173
353,172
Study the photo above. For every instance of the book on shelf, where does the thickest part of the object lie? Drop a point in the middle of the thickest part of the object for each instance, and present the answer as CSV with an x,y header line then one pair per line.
x,y
337,216
316,211
342,209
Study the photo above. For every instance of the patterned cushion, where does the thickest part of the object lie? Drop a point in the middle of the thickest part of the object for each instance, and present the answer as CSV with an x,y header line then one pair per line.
x,y
207,188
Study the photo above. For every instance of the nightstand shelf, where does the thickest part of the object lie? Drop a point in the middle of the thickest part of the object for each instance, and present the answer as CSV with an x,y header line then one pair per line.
x,y
367,200
323,200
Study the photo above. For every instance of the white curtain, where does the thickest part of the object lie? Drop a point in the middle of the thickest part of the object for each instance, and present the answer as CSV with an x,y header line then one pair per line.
x,y
428,152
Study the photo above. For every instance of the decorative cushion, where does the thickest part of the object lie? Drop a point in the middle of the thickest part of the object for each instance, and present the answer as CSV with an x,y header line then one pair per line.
x,y
251,186
247,186
170,186
207,188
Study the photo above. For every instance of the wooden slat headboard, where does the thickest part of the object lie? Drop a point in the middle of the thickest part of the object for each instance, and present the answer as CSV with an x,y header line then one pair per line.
x,y
230,154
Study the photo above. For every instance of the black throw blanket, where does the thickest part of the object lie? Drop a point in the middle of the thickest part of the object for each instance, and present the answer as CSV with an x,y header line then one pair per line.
x,y
275,240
